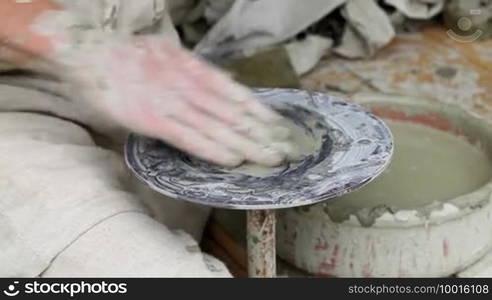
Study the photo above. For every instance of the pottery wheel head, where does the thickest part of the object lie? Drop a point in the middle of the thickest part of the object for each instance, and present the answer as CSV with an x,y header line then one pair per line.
x,y
355,148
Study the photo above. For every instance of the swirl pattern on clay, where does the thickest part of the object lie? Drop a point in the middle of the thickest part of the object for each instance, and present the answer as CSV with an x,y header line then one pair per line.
x,y
356,147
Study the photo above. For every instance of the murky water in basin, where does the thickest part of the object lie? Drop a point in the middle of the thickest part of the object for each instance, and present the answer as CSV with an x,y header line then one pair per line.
x,y
428,165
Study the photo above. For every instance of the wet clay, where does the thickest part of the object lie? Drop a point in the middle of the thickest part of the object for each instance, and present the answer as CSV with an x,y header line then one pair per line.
x,y
428,166
302,141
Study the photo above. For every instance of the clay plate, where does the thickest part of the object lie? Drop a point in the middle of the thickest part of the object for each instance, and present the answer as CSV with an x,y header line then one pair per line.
x,y
356,148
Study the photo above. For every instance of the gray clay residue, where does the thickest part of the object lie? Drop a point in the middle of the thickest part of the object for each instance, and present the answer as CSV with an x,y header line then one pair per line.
x,y
307,134
351,147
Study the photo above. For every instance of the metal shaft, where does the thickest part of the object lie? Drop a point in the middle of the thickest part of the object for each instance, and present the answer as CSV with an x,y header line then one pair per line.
x,y
261,243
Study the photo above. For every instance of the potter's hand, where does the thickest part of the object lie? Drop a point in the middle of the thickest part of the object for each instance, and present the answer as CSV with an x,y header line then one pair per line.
x,y
147,84
158,89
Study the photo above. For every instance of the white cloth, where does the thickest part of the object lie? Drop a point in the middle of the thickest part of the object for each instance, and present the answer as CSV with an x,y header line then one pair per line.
x,y
242,26
216,9
368,29
480,269
253,24
143,248
305,54
68,207
418,9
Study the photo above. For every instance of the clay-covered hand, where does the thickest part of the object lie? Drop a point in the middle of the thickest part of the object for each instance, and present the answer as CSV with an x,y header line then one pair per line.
x,y
156,88
147,84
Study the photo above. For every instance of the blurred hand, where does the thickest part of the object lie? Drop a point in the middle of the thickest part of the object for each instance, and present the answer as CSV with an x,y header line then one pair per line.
x,y
158,89
146,84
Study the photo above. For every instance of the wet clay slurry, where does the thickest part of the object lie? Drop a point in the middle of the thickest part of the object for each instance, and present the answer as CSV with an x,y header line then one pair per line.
x,y
428,166
305,141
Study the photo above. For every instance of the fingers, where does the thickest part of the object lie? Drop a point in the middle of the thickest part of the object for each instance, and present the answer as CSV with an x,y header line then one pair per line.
x,y
213,105
253,128
165,92
237,107
228,90
218,83
221,133
192,141
155,118
235,118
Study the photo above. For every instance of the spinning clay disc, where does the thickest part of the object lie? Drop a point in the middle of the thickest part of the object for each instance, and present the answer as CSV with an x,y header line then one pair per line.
x,y
352,147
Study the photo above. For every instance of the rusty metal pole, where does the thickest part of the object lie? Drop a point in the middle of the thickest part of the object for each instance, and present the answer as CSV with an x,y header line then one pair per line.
x,y
261,243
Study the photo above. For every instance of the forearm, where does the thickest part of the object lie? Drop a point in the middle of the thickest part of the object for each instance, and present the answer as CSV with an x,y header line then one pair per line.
x,y
20,43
